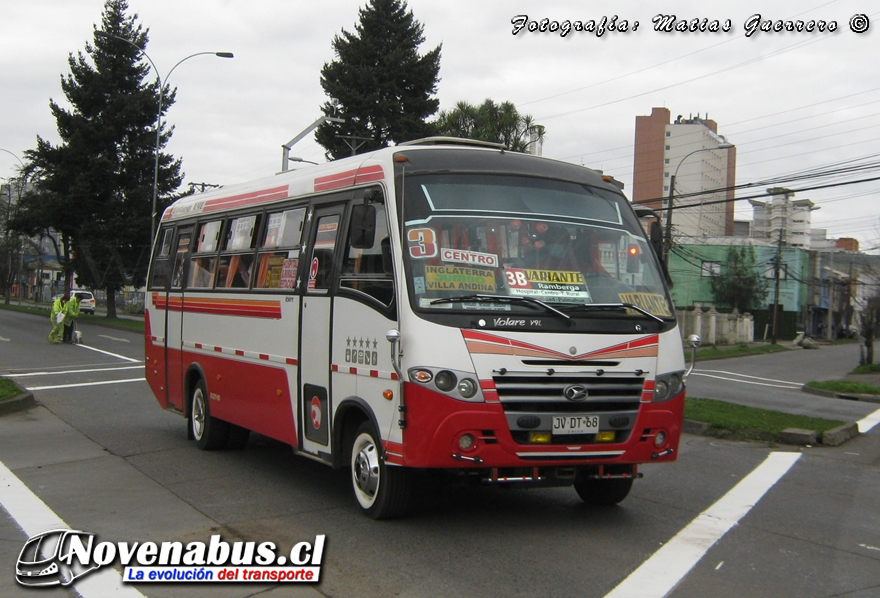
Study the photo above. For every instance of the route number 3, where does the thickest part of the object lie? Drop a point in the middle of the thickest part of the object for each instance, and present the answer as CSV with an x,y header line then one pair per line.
x,y
422,242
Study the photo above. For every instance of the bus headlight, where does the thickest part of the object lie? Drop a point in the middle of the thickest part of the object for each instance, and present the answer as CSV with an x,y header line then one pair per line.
x,y
667,386
445,380
457,384
467,388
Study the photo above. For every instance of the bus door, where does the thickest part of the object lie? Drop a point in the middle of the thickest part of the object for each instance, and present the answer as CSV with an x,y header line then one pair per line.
x,y
174,320
316,328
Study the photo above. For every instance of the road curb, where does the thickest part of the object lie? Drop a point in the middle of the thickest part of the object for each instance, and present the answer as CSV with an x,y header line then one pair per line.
x,y
848,396
22,402
794,436
840,434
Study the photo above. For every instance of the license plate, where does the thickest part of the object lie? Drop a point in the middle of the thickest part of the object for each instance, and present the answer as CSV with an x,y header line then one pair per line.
x,y
575,424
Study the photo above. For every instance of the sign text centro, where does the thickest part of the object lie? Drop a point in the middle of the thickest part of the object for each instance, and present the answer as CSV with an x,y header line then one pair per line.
x,y
489,260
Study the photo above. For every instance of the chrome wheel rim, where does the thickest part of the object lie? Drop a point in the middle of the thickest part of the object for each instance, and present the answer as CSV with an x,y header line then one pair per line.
x,y
365,470
198,414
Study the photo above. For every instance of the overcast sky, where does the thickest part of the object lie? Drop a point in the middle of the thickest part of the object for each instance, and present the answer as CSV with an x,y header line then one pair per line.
x,y
791,102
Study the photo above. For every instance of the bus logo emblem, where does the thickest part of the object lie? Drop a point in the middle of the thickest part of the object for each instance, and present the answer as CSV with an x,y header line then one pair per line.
x,y
316,412
575,392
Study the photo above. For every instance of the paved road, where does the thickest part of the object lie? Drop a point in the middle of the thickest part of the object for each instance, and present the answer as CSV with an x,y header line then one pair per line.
x,y
100,453
773,381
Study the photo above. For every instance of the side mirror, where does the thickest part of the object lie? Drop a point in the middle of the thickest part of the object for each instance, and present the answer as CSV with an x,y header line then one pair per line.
x,y
694,341
363,226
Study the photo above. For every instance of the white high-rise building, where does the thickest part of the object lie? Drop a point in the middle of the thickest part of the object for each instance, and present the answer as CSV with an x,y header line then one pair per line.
x,y
684,157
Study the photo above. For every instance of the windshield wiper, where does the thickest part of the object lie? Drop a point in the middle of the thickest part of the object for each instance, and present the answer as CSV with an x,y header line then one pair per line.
x,y
502,299
600,306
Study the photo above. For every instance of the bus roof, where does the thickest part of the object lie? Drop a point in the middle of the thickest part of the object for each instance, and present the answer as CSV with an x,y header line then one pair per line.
x,y
357,170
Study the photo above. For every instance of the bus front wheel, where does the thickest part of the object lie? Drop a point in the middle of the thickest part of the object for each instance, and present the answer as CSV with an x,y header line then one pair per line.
x,y
381,491
602,492
209,432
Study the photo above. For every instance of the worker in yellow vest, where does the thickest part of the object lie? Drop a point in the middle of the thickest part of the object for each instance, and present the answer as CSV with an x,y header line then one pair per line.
x,y
57,316
71,313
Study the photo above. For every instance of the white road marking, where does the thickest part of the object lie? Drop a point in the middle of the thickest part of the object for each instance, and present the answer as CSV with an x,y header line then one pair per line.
x,y
869,422
30,374
3,338
109,353
798,384
659,575
34,516
113,338
81,384
786,385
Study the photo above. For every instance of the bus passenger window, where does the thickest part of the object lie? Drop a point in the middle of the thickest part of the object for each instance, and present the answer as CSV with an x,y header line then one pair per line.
x,y
277,270
235,271
209,234
201,274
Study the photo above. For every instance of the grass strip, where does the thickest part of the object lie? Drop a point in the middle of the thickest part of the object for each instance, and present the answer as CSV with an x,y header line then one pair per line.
x,y
845,386
738,422
8,389
872,368
735,351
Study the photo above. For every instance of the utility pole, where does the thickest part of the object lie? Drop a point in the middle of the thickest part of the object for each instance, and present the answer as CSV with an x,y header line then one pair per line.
x,y
352,142
778,267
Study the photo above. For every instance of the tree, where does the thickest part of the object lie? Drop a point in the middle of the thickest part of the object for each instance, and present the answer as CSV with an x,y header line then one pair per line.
x,y
498,123
741,286
378,83
95,187
869,322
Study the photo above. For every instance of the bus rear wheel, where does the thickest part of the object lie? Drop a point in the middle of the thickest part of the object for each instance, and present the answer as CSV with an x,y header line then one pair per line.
x,y
209,432
602,492
381,491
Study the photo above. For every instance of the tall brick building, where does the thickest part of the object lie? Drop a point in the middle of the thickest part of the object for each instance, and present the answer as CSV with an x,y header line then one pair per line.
x,y
686,149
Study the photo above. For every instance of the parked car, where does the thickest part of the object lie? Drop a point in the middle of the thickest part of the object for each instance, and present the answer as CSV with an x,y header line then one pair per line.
x,y
86,300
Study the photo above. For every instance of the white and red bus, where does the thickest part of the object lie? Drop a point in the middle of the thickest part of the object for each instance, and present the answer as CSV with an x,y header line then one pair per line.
x,y
438,305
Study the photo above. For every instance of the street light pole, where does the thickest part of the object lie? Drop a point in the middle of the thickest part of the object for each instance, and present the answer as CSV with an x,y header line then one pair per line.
x,y
162,88
667,242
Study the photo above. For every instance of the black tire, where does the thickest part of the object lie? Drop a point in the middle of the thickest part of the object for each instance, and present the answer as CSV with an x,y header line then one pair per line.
x,y
381,491
209,432
602,492
238,437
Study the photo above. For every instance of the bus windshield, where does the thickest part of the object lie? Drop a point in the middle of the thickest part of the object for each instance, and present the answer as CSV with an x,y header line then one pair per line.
x,y
472,237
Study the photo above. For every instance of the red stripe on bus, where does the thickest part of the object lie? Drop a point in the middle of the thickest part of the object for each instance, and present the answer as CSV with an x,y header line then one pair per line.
x,y
227,307
349,177
245,199
291,361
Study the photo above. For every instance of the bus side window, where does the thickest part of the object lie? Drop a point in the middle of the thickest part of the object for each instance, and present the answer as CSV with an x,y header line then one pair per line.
x,y
201,267
322,264
278,258
368,269
162,264
183,242
236,268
